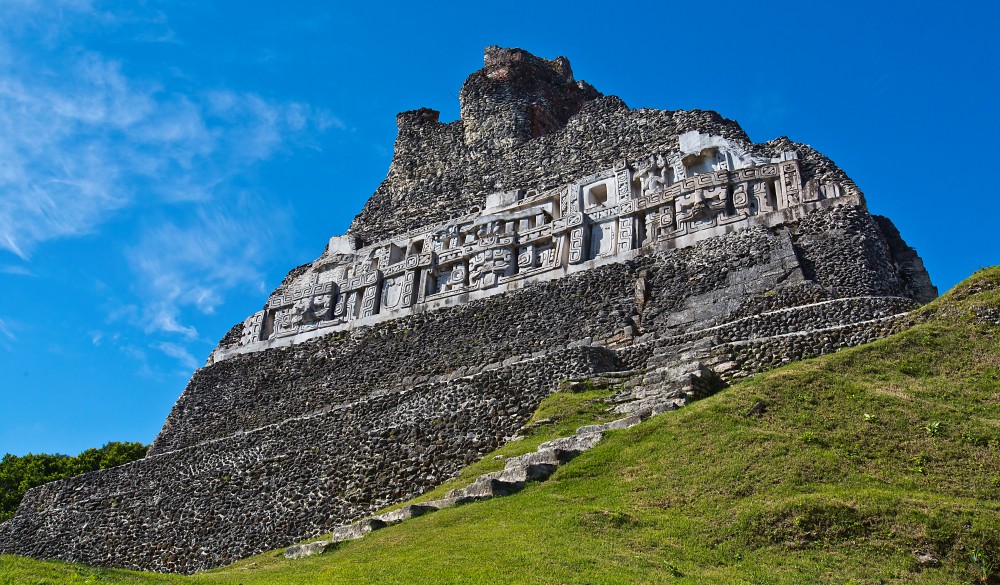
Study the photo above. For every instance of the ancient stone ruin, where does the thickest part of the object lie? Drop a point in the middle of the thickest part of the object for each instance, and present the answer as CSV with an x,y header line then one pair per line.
x,y
708,186
551,233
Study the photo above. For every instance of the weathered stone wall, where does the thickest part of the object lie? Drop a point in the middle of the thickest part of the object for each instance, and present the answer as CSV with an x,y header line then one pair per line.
x,y
845,251
850,321
251,390
908,264
516,97
753,356
701,285
205,506
688,288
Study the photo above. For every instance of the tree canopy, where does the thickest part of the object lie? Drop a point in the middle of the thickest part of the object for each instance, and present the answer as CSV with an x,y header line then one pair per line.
x,y
19,474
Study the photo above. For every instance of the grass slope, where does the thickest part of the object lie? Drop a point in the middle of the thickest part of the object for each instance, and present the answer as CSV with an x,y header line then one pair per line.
x,y
861,461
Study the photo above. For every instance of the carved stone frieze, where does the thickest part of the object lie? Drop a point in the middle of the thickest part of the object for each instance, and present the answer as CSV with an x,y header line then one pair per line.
x,y
252,328
708,183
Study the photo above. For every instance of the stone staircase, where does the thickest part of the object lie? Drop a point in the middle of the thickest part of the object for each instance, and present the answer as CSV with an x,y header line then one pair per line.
x,y
517,472
669,382
673,371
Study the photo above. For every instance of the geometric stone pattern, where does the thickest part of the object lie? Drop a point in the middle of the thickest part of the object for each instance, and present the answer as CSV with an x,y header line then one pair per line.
x,y
709,184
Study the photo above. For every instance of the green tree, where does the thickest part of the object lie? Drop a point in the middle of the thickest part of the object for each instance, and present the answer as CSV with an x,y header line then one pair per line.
x,y
19,474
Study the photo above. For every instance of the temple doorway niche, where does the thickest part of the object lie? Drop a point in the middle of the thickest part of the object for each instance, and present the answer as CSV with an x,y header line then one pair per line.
x,y
396,253
416,247
392,293
599,194
602,239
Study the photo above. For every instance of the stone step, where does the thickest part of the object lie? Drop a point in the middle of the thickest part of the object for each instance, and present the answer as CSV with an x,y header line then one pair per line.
x,y
615,375
441,503
602,380
667,406
655,405
523,474
356,530
671,376
633,381
675,387
659,361
542,456
569,447
622,423
534,466
670,389
301,551
667,387
404,513
486,486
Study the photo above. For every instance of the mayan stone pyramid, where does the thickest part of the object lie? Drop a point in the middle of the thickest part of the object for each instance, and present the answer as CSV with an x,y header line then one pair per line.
x,y
550,233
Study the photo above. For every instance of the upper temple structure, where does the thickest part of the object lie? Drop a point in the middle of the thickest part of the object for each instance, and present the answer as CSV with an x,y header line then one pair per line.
x,y
550,233
705,186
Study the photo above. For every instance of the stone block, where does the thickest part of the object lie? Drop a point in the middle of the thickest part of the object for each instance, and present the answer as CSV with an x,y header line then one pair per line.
x,y
404,513
356,530
299,551
485,487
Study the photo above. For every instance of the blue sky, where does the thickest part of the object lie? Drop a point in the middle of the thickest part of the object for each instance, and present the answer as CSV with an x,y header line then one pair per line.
x,y
163,164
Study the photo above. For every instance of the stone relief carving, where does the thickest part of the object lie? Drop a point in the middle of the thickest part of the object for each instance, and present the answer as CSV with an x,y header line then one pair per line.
x,y
654,174
252,328
709,182
487,267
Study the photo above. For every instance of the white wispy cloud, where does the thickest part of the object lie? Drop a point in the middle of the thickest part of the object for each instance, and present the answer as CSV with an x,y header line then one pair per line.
x,y
81,146
218,249
17,270
51,21
84,140
6,331
81,139
179,353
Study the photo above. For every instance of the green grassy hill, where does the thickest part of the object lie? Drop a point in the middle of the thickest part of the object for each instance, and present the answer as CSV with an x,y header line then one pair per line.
x,y
862,463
